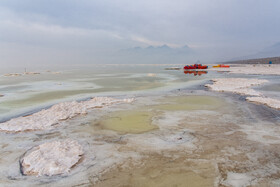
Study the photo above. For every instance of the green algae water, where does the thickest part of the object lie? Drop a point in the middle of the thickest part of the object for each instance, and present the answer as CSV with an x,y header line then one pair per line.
x,y
129,122
140,121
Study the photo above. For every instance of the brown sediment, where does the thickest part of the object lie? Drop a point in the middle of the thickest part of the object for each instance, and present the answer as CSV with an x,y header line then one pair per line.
x,y
157,170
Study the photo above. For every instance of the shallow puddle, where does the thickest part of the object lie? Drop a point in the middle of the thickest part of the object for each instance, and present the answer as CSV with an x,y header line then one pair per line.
x,y
129,122
190,103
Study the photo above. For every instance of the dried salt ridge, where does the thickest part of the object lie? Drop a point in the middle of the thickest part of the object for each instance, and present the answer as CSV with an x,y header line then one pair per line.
x,y
51,158
242,86
236,85
47,119
273,103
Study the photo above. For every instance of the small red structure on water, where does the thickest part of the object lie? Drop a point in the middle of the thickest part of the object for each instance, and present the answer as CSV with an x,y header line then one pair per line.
x,y
195,66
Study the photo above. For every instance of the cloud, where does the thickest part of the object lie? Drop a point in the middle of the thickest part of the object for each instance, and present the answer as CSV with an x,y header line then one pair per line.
x,y
219,29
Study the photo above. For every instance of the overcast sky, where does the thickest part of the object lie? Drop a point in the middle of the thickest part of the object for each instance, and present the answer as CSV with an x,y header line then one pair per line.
x,y
88,31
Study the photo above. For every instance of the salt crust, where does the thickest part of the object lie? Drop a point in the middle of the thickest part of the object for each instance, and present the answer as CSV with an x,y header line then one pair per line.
x,y
238,179
274,103
236,85
51,158
47,118
242,86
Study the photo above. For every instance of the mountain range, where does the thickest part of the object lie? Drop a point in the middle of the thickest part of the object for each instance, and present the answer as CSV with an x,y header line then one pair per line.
x,y
159,54
160,50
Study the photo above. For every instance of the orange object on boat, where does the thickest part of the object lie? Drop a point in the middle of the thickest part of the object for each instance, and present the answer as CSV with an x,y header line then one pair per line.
x,y
221,66
224,66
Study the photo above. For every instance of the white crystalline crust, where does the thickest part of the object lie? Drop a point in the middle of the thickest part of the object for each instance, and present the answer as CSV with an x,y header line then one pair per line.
x,y
238,179
236,85
242,86
274,103
51,158
46,119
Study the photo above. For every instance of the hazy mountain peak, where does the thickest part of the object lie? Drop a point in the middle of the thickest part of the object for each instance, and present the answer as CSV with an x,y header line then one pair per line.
x,y
186,47
164,47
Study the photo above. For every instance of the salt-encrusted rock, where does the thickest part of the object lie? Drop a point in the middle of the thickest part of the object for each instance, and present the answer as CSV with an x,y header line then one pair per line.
x,y
236,85
47,119
51,158
273,103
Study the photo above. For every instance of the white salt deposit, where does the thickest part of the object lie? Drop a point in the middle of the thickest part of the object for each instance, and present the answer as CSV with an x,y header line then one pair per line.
x,y
273,103
52,158
47,118
264,133
236,85
238,179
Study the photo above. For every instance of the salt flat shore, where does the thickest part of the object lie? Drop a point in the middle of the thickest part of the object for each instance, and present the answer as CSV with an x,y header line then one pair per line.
x,y
243,86
252,69
236,85
198,138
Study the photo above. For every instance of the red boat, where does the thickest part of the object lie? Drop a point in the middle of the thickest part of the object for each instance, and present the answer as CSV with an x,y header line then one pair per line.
x,y
195,66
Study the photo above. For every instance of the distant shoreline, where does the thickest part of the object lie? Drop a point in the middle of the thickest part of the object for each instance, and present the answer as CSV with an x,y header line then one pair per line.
x,y
274,60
